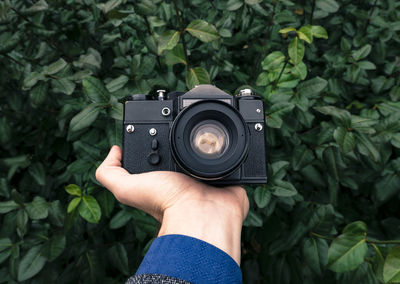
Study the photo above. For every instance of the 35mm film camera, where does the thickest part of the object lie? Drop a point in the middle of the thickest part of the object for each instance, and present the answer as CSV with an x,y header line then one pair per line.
x,y
205,133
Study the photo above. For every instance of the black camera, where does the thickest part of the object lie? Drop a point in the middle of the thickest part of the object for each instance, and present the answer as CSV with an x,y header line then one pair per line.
x,y
205,133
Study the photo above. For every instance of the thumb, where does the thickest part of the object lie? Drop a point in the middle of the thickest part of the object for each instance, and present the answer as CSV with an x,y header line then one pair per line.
x,y
110,172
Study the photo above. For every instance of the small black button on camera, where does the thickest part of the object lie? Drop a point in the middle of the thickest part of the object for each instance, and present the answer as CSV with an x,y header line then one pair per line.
x,y
153,158
154,144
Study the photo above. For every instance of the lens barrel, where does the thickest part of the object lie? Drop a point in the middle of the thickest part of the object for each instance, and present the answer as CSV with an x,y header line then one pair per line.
x,y
209,139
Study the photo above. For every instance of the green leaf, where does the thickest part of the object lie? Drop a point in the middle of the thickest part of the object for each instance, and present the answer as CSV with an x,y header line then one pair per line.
x,y
276,111
391,268
345,139
56,66
167,41
54,247
64,86
300,70
330,158
202,30
283,189
253,220
5,243
119,258
89,209
286,30
233,5
305,33
366,147
296,50
117,83
302,156
85,118
38,173
196,76
366,65
342,115
39,6
95,90
315,252
387,187
31,263
348,251
329,6
73,189
175,56
362,52
311,88
22,221
262,196
31,80
73,204
273,60
7,206
38,208
39,93
120,219
319,32
363,124
109,5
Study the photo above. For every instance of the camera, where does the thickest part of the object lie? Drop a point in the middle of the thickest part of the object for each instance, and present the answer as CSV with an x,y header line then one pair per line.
x,y
205,133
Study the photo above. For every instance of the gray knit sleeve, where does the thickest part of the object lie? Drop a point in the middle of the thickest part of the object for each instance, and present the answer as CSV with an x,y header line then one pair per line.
x,y
154,278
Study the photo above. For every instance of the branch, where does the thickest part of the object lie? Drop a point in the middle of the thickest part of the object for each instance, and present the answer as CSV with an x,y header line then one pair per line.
x,y
312,11
280,74
151,33
12,59
369,16
52,45
178,16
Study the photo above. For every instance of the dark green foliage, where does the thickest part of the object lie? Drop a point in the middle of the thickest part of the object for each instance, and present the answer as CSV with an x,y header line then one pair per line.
x,y
328,71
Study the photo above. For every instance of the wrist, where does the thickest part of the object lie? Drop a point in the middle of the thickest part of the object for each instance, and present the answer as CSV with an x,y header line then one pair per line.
x,y
216,225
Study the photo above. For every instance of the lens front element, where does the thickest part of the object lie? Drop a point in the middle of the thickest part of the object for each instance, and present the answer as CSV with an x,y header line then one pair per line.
x,y
209,139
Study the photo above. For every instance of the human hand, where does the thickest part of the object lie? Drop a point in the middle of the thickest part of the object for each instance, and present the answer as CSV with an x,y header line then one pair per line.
x,y
182,205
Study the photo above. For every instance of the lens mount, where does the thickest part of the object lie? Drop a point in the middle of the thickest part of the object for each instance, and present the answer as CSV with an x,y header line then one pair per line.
x,y
209,139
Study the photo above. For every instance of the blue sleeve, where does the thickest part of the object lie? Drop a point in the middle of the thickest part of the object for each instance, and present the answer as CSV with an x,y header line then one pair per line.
x,y
191,260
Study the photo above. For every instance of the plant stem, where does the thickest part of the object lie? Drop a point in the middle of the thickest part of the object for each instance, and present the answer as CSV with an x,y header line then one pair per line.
x,y
178,16
369,16
389,242
321,236
51,44
151,33
12,59
312,11
280,74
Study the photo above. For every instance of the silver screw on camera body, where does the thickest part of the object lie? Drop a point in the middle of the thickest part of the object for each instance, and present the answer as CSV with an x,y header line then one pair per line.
x,y
258,126
130,128
246,92
165,111
152,131
161,94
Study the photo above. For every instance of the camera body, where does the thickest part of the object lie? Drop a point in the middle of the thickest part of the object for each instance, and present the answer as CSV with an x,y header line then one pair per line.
x,y
205,133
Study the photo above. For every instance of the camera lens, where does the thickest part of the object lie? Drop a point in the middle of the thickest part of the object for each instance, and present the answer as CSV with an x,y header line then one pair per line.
x,y
209,139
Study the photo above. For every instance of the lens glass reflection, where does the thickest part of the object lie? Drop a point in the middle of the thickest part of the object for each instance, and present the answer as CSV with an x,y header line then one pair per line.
x,y
209,139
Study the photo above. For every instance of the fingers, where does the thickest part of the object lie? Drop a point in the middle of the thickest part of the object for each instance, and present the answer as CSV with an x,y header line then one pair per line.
x,y
110,173
114,157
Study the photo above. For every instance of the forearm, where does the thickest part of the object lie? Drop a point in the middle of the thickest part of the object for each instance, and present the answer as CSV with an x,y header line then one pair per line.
x,y
212,224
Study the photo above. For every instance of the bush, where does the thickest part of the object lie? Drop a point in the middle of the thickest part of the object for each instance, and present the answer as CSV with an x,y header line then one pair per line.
x,y
328,71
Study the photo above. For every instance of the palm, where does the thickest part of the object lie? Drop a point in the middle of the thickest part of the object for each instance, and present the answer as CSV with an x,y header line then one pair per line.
x,y
156,192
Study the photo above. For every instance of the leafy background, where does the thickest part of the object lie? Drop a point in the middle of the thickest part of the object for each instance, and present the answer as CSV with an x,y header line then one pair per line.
x,y
328,71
